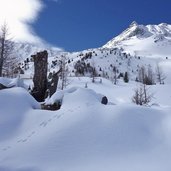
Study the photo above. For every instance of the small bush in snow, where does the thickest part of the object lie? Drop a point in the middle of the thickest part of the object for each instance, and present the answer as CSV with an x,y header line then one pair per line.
x,y
142,96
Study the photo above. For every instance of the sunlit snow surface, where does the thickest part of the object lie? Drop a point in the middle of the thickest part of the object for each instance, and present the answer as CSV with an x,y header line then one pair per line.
x,y
85,135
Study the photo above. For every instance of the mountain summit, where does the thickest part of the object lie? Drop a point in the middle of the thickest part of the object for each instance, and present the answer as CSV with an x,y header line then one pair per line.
x,y
149,40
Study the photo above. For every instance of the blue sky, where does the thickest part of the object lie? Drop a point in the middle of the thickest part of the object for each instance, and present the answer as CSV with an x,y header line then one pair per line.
x,y
78,24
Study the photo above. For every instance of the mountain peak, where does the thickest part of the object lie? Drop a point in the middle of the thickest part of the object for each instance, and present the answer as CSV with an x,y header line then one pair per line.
x,y
144,40
163,24
134,23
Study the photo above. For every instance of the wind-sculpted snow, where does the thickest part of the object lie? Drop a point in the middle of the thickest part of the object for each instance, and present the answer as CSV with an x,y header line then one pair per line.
x,y
84,94
84,135
14,105
16,82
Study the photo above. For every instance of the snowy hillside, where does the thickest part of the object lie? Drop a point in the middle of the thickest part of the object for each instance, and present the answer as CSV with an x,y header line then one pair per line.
x,y
85,134
138,40
137,46
103,60
150,41
25,50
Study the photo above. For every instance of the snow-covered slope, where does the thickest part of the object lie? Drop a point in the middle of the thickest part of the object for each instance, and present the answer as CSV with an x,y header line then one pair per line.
x,y
25,50
140,40
84,134
137,46
149,41
104,60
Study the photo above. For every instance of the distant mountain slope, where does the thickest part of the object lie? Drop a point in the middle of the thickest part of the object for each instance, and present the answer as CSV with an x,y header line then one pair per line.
x,y
137,46
25,50
102,59
148,41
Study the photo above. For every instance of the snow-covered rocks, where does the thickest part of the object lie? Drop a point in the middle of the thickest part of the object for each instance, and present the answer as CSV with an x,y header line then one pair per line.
x,y
75,95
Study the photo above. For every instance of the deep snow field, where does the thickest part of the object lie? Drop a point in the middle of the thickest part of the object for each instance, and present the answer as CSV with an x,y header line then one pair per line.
x,y
85,135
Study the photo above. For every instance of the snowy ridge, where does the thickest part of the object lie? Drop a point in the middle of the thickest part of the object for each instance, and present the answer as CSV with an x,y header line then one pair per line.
x,y
146,41
150,41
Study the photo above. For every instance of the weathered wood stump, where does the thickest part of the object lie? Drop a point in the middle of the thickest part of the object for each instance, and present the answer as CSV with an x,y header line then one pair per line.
x,y
40,75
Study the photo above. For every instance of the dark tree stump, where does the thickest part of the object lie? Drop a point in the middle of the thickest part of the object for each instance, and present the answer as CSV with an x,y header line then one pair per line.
x,y
40,75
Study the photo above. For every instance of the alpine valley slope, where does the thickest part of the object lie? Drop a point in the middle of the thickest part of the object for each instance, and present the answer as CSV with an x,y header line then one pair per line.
x,y
137,46
138,40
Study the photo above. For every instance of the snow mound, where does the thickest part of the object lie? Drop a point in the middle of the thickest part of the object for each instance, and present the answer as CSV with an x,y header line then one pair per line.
x,y
85,135
14,104
97,137
75,95
15,82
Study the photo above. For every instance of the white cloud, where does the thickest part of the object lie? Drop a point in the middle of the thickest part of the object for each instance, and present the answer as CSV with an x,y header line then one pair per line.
x,y
19,14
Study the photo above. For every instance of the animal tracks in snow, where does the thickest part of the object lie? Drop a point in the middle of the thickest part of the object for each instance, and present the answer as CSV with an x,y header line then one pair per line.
x,y
41,125
6,148
26,139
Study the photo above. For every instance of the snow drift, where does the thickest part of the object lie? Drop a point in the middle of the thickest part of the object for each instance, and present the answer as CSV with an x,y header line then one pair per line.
x,y
84,135
14,105
15,82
